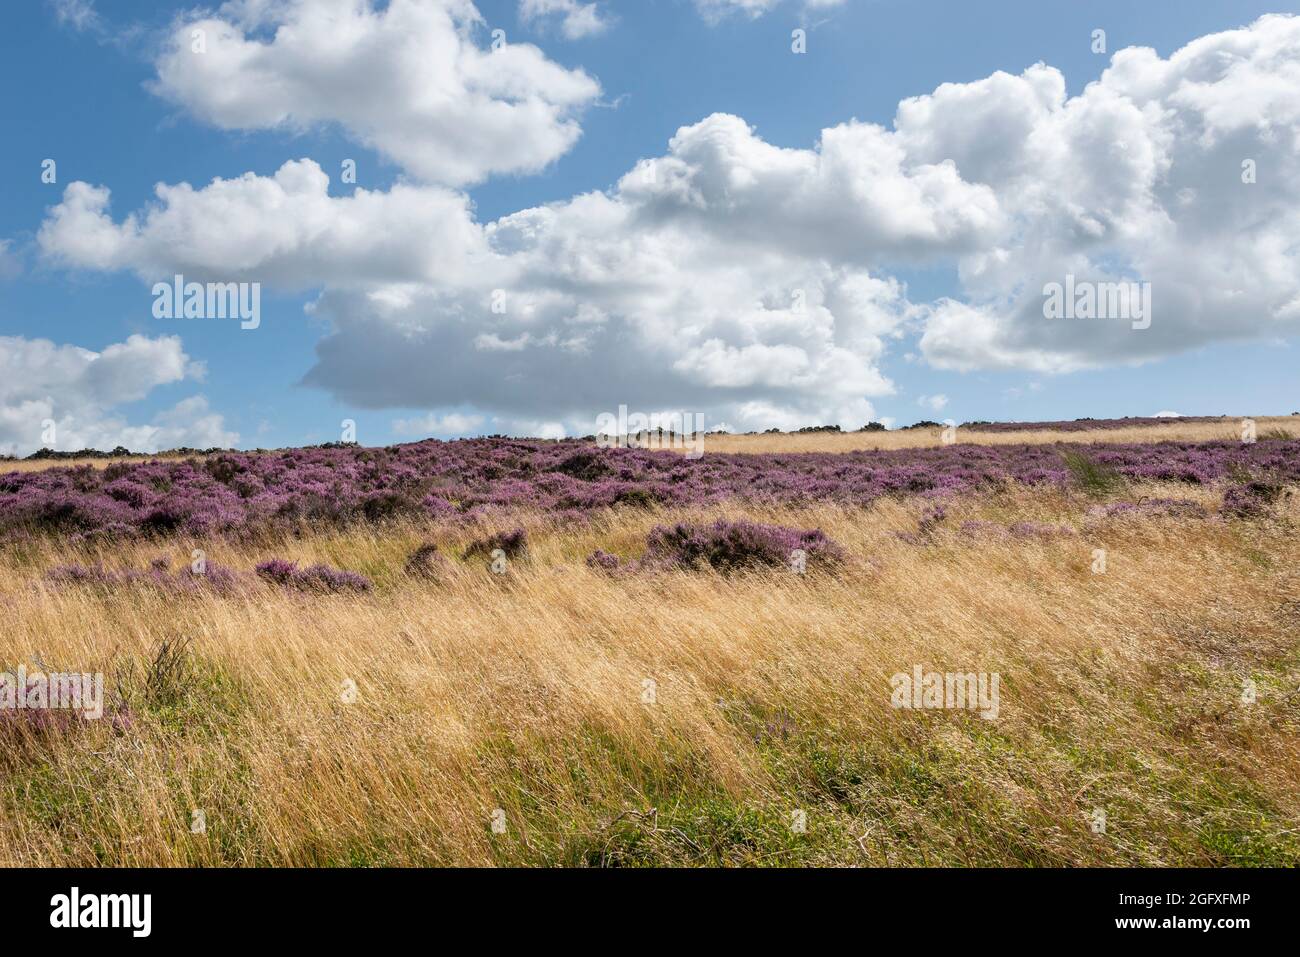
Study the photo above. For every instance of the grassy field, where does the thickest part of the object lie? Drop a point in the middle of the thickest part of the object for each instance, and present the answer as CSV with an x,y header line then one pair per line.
x,y
1225,429
682,718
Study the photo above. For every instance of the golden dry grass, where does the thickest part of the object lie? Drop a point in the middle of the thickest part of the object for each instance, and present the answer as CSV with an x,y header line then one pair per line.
x,y
1225,429
1120,691
98,462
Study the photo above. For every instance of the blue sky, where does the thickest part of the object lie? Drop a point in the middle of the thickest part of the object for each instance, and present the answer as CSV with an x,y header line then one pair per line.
x,y
85,78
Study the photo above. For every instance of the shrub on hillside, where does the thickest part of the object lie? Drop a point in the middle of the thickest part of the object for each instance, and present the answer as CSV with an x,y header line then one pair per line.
x,y
604,561
728,546
1090,476
214,576
317,578
1250,499
513,543
426,562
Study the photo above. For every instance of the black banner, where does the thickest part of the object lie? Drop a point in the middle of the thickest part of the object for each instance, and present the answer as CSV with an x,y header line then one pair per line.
x,y
338,906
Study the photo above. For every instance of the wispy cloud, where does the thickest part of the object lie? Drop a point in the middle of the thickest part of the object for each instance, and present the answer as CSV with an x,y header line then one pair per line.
x,y
80,15
716,10
577,20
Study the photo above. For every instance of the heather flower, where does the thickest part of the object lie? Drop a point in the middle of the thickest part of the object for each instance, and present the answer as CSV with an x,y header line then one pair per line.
x,y
587,466
1038,530
732,545
17,724
387,505
278,570
1250,499
113,532
934,517
465,480
438,507
604,561
131,493
639,497
214,576
164,518
36,722
82,575
316,578
324,578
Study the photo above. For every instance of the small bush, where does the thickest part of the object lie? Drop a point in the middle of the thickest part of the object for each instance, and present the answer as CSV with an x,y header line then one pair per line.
x,y
604,561
324,578
637,498
586,465
426,562
929,522
278,570
1092,477
1251,499
170,676
513,543
216,577
934,516
318,578
81,575
727,546
388,505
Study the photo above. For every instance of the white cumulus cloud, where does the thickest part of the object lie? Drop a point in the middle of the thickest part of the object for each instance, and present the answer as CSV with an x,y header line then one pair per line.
x,y
411,79
1143,177
73,395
